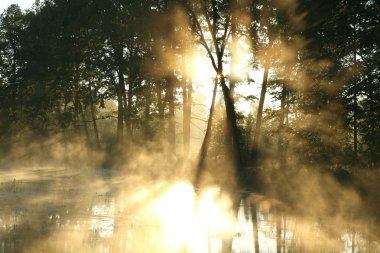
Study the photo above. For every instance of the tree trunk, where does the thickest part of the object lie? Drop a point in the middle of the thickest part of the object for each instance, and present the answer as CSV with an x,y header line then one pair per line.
x,y
120,86
127,113
281,146
186,117
372,147
255,227
161,109
129,107
93,115
206,141
234,41
185,124
278,231
259,117
284,236
84,120
188,113
355,115
119,91
232,129
227,245
160,102
13,80
147,129
355,96
171,130
234,148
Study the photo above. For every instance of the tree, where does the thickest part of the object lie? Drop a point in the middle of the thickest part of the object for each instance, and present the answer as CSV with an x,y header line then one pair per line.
x,y
12,26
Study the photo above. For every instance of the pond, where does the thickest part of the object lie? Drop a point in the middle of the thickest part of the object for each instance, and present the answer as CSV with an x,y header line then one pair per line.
x,y
66,210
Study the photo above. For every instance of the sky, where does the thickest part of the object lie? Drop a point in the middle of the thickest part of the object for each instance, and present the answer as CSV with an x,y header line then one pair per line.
x,y
24,4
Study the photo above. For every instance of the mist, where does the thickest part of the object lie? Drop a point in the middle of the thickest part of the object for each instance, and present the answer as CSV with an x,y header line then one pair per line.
x,y
190,126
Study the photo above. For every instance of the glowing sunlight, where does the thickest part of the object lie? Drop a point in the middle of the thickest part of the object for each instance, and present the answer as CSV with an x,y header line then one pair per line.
x,y
188,222
202,70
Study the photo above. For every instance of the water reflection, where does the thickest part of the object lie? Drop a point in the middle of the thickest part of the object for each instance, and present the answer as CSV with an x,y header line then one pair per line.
x,y
57,210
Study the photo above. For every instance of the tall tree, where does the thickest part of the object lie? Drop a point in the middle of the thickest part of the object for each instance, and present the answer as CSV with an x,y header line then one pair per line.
x,y
12,25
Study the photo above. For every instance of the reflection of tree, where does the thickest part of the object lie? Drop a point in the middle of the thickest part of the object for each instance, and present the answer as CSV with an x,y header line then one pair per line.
x,y
34,211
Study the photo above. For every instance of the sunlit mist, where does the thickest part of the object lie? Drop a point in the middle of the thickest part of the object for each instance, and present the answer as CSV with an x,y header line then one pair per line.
x,y
202,68
194,126
191,221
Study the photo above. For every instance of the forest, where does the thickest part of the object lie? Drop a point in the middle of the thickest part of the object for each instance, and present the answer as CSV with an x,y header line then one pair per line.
x,y
197,126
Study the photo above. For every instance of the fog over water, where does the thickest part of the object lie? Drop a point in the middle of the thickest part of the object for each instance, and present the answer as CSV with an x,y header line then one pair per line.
x,y
58,208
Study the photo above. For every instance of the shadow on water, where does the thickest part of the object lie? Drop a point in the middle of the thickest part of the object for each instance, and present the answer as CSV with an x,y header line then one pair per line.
x,y
61,210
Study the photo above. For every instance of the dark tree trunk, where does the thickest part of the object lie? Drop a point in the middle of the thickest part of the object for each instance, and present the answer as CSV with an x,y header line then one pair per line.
x,y
278,231
120,116
284,235
356,108
77,113
127,114
171,130
13,80
147,128
184,111
84,120
93,116
255,227
161,110
234,148
120,87
259,116
355,114
233,74
372,128
281,142
129,108
160,102
206,141
232,130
